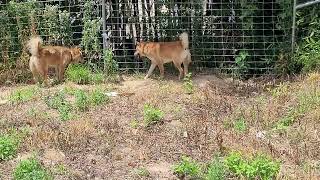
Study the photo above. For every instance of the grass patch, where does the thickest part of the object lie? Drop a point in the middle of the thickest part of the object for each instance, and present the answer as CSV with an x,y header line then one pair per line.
x,y
187,168
258,167
240,125
281,90
141,172
31,169
22,95
82,101
188,84
82,74
58,102
216,170
78,73
8,146
134,124
151,115
98,97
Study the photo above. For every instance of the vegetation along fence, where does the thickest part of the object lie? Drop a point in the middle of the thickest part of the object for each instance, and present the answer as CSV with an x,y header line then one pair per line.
x,y
235,36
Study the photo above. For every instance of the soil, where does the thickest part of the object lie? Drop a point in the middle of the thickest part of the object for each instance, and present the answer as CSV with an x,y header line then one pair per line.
x,y
102,143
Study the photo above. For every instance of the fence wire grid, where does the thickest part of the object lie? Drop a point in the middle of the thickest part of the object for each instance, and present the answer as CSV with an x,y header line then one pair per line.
x,y
233,36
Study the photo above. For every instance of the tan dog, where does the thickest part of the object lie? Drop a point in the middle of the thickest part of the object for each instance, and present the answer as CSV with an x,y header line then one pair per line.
x,y
44,56
164,52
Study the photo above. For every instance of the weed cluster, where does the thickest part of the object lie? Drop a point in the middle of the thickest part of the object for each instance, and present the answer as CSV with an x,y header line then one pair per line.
x,y
8,147
260,166
151,115
240,125
188,84
83,101
216,170
82,74
187,168
22,95
31,169
58,101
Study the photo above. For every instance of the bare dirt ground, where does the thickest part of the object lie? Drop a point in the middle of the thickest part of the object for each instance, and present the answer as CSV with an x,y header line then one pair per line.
x,y
102,143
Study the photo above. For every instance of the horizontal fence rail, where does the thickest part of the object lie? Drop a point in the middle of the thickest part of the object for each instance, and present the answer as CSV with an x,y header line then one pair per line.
x,y
235,36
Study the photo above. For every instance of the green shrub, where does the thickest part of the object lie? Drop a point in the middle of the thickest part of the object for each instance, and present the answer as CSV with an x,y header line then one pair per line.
x,y
151,115
188,84
187,168
65,111
98,97
58,102
110,65
8,147
82,102
216,170
97,78
259,167
82,74
31,169
78,73
240,125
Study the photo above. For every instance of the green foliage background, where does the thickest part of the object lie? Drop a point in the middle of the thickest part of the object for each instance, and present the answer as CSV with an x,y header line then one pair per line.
x,y
220,34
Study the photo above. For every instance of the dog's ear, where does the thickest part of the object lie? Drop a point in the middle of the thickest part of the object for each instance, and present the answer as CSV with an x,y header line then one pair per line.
x,y
138,43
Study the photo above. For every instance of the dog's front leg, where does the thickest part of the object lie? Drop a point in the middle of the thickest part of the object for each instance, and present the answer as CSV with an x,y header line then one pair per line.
x,y
150,70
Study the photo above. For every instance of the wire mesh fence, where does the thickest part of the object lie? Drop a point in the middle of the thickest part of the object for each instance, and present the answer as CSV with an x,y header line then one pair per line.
x,y
235,36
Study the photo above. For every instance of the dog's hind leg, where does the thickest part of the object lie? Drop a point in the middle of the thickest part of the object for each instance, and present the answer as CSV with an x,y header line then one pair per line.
x,y
150,70
34,71
161,68
44,73
178,66
186,63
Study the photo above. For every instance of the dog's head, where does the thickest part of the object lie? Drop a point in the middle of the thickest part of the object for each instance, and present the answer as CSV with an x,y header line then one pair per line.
x,y
76,55
139,50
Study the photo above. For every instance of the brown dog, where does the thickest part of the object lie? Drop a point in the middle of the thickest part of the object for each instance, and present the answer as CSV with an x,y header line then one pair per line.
x,y
44,56
164,52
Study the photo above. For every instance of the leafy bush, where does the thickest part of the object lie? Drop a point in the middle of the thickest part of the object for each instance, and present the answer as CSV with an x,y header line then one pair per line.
x,y
151,115
188,84
31,169
82,100
240,125
98,97
241,64
110,65
187,168
82,74
58,102
79,74
8,147
97,78
260,166
216,170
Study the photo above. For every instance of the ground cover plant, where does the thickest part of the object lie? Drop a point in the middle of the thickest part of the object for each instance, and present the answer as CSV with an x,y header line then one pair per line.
x,y
225,128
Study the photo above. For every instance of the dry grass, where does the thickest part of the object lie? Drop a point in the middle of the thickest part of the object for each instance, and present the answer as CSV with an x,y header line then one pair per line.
x,y
109,141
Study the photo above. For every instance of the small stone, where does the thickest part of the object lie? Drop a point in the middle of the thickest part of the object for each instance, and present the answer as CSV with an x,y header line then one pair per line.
x,y
185,134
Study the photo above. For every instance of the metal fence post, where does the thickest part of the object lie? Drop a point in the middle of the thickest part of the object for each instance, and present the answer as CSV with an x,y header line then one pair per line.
x,y
293,25
104,24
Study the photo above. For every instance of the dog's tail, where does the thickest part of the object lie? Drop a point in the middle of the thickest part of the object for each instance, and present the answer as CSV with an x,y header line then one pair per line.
x,y
184,40
34,45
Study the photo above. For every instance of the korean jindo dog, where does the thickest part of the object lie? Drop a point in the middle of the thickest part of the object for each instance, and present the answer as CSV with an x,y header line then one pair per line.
x,y
160,53
44,56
